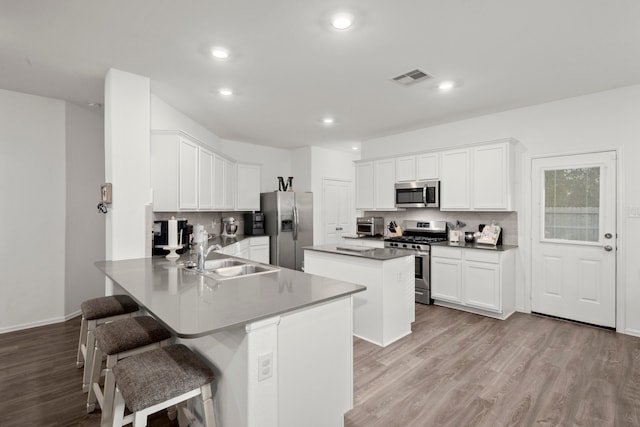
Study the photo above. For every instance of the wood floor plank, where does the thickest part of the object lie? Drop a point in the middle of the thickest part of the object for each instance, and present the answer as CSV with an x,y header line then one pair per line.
x,y
455,369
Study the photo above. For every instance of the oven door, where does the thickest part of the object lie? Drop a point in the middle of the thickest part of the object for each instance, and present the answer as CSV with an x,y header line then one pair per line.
x,y
423,291
410,195
364,229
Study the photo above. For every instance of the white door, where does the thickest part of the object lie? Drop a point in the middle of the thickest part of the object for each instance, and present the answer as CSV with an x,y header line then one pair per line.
x,y
336,204
574,237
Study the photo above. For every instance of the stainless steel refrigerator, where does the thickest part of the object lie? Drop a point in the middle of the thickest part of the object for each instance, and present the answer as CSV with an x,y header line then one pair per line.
x,y
288,220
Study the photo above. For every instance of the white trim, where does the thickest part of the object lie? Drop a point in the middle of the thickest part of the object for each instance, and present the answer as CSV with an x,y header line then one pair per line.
x,y
44,322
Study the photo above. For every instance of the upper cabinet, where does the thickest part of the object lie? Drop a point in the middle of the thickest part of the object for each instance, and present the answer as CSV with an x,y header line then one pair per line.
x,y
248,187
188,176
375,185
478,178
421,167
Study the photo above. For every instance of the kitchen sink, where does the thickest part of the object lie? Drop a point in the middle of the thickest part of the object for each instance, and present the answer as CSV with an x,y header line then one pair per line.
x,y
243,270
214,264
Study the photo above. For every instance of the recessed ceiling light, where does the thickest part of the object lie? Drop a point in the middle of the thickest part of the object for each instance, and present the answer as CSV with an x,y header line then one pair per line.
x,y
220,53
354,148
445,85
328,121
225,92
342,21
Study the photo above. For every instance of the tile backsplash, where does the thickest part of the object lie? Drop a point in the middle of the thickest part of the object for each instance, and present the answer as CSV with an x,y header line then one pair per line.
x,y
212,221
507,220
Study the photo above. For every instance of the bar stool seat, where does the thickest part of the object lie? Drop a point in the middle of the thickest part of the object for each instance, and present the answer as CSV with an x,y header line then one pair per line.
x,y
117,340
95,312
157,379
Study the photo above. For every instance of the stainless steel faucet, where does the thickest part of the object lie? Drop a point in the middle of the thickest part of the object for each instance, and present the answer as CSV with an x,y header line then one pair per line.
x,y
204,253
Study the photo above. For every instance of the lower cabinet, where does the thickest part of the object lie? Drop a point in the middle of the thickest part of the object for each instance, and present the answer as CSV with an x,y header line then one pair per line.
x,y
259,249
477,280
373,243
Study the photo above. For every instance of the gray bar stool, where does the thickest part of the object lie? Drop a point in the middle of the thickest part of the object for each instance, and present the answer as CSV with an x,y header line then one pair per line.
x,y
157,379
96,312
117,340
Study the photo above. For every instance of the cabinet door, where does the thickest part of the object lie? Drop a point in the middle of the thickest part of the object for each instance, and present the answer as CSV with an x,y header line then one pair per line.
x,y
364,186
446,279
260,253
188,175
218,182
248,187
405,169
454,180
229,185
385,179
482,285
205,179
427,166
491,177
164,172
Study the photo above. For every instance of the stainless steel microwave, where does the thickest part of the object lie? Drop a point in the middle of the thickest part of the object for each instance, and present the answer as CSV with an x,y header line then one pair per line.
x,y
418,194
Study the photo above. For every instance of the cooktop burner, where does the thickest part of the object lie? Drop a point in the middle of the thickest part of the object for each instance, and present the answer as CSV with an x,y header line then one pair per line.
x,y
415,239
420,233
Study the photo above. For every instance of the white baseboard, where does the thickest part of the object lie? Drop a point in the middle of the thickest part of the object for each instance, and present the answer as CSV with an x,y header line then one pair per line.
x,y
632,332
37,323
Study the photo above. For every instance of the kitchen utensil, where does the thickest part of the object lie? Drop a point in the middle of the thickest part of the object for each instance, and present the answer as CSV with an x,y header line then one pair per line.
x,y
229,227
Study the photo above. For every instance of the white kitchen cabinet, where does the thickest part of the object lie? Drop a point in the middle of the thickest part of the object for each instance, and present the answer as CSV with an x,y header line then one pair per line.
x,y
428,166
229,184
218,188
421,167
231,250
478,178
206,179
248,187
244,249
478,280
259,249
371,243
406,169
174,172
365,186
455,187
375,185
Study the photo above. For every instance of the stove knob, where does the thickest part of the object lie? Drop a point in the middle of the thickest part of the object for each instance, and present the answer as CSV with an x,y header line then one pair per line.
x,y
413,246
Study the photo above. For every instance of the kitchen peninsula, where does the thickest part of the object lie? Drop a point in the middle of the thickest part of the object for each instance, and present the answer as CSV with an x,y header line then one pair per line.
x,y
280,342
384,312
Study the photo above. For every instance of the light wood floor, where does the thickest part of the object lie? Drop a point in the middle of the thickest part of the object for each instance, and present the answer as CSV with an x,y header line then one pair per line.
x,y
460,369
455,369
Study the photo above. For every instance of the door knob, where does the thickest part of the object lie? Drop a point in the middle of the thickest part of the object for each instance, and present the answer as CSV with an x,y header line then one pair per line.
x,y
608,248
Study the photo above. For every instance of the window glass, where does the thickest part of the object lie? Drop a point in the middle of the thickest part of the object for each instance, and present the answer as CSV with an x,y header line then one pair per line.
x,y
572,204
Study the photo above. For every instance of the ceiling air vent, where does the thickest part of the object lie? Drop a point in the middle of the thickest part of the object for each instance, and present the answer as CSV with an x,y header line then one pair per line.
x,y
411,77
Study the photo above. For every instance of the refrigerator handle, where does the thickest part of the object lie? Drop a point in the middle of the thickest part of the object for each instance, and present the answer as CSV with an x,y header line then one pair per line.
x,y
295,222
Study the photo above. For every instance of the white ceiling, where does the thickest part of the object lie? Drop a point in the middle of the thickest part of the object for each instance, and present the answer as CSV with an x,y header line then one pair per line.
x,y
290,69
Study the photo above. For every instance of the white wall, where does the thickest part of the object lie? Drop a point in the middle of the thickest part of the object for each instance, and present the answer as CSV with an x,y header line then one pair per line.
x,y
85,226
32,191
593,122
127,160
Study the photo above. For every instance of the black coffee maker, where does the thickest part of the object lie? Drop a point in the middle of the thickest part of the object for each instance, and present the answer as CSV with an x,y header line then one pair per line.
x,y
161,236
254,224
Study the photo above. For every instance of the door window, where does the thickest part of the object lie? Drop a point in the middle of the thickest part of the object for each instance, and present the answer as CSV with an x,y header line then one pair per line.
x,y
572,204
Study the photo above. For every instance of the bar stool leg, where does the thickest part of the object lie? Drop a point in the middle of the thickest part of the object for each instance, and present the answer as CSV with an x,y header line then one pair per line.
x,y
207,404
118,412
88,357
92,398
82,342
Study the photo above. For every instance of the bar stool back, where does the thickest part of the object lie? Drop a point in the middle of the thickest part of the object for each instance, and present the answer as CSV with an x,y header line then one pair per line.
x,y
95,312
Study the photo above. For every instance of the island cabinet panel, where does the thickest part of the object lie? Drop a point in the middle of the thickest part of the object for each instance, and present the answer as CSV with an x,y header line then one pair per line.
x,y
383,313
477,280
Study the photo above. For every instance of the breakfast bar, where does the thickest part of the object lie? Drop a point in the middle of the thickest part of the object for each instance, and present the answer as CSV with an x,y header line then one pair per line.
x,y
279,341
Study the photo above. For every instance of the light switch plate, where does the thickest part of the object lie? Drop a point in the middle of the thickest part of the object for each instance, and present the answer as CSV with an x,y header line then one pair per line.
x,y
634,212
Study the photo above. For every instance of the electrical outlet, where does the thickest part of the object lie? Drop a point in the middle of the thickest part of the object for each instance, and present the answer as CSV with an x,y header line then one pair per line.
x,y
265,366
634,212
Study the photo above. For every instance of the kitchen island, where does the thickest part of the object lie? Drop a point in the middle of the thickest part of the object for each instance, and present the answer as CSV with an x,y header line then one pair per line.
x,y
384,312
279,342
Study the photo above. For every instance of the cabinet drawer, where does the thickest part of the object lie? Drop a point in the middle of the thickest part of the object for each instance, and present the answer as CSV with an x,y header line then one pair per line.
x,y
480,255
256,241
442,252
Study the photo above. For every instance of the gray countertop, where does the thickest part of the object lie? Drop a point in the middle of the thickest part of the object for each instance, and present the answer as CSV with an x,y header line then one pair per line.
x,y
193,305
379,254
474,245
357,237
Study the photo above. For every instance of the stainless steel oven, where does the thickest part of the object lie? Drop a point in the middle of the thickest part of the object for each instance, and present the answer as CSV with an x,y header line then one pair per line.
x,y
370,226
418,235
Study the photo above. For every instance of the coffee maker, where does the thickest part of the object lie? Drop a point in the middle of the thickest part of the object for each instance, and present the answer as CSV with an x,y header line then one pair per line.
x,y
254,224
161,236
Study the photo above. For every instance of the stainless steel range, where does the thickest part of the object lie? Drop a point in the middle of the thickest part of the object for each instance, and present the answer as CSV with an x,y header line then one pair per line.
x,y
417,237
